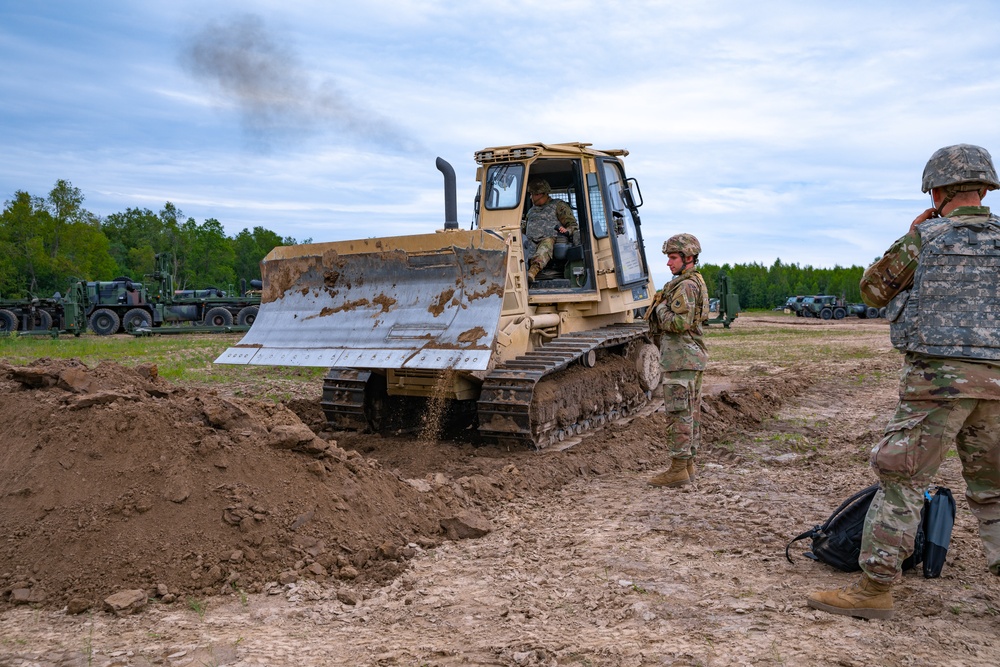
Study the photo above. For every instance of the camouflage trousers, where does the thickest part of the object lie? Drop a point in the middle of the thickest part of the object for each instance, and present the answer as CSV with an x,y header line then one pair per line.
x,y
681,391
543,253
906,459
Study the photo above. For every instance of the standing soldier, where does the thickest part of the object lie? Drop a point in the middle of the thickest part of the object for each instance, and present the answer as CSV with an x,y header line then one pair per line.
x,y
941,282
680,308
547,219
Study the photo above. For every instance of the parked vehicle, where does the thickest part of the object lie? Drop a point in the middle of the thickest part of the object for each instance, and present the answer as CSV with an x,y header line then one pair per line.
x,y
43,314
123,305
826,306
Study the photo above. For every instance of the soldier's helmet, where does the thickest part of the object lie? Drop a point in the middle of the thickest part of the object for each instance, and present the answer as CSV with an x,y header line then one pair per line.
x,y
685,244
539,187
960,164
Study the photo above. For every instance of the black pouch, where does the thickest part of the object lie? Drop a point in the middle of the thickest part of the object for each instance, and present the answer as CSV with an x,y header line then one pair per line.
x,y
939,518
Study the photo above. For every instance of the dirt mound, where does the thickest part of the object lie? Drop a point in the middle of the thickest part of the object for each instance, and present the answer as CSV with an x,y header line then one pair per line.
x,y
113,478
116,479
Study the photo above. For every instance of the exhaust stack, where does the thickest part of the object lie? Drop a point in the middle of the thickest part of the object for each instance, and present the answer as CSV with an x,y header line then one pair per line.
x,y
450,194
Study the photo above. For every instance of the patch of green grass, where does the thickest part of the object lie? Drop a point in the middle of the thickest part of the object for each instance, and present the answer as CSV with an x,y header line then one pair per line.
x,y
727,445
244,598
197,606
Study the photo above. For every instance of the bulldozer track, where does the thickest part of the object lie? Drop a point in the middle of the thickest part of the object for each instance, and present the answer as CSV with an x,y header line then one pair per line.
x,y
343,399
652,406
504,406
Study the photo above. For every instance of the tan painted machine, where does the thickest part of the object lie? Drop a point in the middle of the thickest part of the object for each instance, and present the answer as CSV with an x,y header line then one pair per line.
x,y
446,325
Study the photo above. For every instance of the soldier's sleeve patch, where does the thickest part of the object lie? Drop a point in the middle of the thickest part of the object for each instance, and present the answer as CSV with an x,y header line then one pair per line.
x,y
680,305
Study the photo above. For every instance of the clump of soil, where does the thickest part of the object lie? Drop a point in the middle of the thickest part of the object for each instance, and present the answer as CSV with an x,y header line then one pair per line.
x,y
115,479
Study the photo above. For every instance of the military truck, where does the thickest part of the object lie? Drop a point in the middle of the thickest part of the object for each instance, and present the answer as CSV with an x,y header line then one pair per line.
x,y
43,315
793,304
863,311
826,306
447,322
122,305
25,314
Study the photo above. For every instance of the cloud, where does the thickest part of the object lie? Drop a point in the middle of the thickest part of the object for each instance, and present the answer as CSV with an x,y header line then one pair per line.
x,y
257,72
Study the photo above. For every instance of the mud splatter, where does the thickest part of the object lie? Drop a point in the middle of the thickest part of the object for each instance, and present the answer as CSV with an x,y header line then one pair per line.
x,y
284,275
330,279
494,290
386,302
349,305
438,307
472,335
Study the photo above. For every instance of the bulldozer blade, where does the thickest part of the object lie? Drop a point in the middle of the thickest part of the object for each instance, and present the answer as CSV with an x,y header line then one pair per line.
x,y
430,301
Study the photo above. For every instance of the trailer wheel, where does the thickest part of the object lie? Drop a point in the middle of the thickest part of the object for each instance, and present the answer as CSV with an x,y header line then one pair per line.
x,y
871,312
104,322
8,322
839,313
136,318
826,313
218,317
44,322
881,312
247,315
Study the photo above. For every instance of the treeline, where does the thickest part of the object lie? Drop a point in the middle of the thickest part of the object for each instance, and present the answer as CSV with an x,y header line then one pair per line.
x,y
45,242
760,286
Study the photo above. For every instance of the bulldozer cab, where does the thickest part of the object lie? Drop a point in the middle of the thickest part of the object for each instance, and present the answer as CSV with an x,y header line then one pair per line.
x,y
604,204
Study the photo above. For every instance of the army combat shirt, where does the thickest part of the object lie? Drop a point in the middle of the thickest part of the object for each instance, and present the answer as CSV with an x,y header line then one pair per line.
x,y
679,317
924,377
542,221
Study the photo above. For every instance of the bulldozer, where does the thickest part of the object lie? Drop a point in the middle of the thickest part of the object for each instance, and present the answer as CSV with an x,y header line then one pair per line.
x,y
446,325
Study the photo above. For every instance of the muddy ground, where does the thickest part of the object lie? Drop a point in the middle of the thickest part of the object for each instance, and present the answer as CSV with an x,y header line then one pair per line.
x,y
258,541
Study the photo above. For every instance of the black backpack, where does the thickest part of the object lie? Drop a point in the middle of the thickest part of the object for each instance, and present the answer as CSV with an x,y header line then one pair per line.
x,y
837,541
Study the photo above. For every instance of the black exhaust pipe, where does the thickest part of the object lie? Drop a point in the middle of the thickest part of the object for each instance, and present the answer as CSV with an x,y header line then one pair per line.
x,y
450,194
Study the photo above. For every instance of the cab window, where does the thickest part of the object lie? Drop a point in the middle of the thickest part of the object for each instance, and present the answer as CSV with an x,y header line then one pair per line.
x,y
504,183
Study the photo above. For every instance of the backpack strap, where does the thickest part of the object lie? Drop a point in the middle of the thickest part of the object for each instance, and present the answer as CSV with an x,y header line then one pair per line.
x,y
812,532
871,490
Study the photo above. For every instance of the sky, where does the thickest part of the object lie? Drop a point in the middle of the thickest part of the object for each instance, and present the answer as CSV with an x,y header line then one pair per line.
x,y
771,130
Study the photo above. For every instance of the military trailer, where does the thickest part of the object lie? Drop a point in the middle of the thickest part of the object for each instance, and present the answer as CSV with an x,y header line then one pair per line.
x,y
123,305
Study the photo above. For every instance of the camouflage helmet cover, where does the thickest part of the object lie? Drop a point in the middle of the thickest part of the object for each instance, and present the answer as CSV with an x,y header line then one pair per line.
x,y
958,164
685,244
539,187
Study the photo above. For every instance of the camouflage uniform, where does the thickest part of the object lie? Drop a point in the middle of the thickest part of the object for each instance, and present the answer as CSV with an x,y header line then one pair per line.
x,y
678,321
540,228
941,400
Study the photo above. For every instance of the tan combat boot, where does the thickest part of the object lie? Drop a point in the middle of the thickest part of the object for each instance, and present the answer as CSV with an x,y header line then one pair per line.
x,y
532,272
865,598
692,471
677,475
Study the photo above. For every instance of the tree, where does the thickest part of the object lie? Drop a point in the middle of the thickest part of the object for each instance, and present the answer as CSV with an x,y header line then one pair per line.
x,y
22,244
209,255
47,242
251,247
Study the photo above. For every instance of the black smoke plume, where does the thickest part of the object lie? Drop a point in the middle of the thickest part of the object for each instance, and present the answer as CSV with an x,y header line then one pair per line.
x,y
258,72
